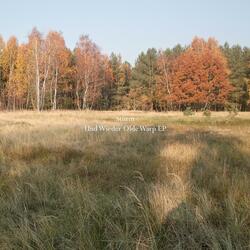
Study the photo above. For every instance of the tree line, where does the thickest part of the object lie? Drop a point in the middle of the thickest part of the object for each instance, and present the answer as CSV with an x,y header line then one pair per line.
x,y
44,74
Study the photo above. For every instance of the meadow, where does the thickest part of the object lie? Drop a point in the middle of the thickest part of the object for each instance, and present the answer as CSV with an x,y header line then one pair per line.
x,y
62,187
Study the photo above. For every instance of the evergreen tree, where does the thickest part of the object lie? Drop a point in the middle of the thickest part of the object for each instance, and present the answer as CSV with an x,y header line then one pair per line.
x,y
143,83
115,63
2,83
119,88
238,72
247,70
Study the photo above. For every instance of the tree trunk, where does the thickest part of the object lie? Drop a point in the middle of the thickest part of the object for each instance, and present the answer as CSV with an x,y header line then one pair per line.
x,y
37,80
77,96
55,91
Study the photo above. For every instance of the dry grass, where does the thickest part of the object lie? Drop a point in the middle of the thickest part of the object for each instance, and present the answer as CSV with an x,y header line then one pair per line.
x,y
64,188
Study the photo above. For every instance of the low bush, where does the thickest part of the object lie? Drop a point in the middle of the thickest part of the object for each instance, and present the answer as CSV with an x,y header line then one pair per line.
x,y
207,113
188,112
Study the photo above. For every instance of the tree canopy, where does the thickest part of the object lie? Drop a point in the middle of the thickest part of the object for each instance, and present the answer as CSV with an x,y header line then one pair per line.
x,y
44,74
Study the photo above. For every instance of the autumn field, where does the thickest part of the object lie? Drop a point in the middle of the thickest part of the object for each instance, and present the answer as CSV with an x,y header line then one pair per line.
x,y
124,180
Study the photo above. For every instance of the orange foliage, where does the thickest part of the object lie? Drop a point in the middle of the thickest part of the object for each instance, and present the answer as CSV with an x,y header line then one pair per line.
x,y
200,75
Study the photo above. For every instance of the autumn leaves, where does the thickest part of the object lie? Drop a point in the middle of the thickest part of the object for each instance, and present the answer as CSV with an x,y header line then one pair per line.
x,y
33,71
196,76
44,74
200,76
92,73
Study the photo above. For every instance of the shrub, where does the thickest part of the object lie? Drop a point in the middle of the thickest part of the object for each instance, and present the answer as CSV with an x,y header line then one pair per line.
x,y
188,111
207,113
232,109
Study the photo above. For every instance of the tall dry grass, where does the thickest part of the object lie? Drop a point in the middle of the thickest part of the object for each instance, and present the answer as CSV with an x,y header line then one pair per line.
x,y
64,188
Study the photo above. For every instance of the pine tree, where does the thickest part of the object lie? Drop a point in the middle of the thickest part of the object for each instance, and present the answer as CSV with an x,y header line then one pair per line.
x,y
124,86
238,73
247,74
115,63
121,74
143,82
2,83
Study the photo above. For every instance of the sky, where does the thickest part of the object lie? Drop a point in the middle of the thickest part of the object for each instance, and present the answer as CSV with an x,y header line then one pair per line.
x,y
129,27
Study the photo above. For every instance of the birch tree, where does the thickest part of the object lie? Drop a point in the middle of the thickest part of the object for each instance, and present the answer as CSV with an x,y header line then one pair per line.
x,y
90,69
35,53
8,63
